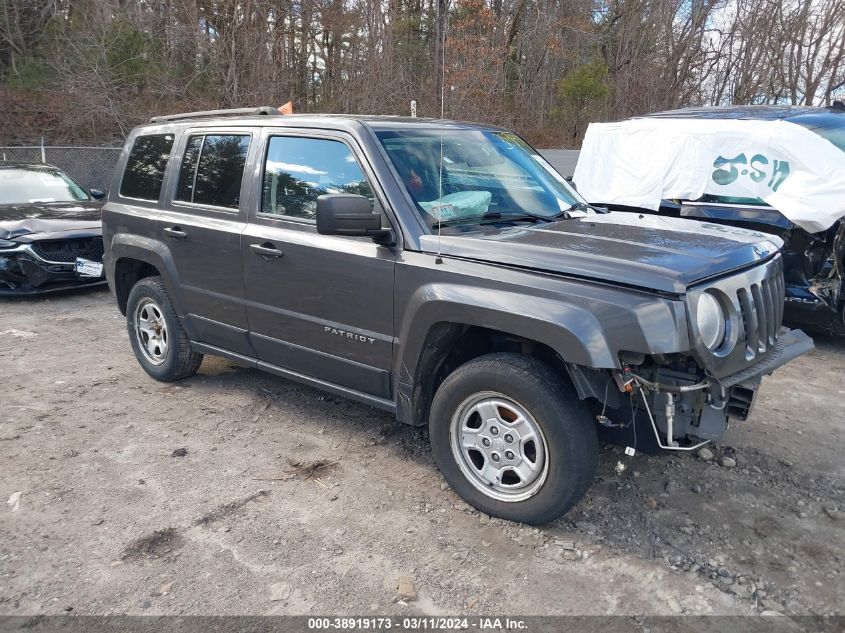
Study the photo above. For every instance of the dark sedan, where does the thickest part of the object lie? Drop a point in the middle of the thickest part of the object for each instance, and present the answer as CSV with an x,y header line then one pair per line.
x,y
50,232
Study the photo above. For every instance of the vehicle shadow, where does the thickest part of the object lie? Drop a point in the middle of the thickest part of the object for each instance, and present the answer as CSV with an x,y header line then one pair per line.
x,y
337,414
59,295
338,417
829,342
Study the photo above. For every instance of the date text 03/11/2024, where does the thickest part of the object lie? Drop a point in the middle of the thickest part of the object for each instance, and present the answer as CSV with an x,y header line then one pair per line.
x,y
417,623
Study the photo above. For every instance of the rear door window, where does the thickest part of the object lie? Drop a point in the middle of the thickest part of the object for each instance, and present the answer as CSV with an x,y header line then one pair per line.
x,y
145,167
212,170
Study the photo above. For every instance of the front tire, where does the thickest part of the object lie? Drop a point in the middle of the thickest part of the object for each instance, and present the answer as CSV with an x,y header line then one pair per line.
x,y
512,439
157,337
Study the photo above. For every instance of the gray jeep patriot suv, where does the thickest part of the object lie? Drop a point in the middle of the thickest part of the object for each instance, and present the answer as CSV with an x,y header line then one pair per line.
x,y
447,273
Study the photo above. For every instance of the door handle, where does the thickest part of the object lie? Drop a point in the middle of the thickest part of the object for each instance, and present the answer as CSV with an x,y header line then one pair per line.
x,y
266,251
175,233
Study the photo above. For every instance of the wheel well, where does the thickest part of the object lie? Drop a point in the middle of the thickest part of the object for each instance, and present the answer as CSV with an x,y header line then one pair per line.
x,y
127,273
450,345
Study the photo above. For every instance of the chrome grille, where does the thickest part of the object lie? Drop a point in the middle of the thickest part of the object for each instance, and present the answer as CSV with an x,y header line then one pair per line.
x,y
68,250
761,310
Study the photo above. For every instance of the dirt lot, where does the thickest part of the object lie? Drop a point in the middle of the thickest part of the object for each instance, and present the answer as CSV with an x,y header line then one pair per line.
x,y
111,519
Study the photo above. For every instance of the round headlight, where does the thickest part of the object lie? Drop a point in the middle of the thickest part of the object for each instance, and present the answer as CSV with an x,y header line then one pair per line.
x,y
711,321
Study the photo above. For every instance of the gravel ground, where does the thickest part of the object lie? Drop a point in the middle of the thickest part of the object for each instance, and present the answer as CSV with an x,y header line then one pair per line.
x,y
146,498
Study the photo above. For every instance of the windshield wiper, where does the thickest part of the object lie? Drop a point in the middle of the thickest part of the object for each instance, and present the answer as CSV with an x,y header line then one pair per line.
x,y
583,207
492,216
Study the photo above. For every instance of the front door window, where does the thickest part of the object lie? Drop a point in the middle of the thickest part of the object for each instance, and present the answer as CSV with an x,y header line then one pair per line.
x,y
298,170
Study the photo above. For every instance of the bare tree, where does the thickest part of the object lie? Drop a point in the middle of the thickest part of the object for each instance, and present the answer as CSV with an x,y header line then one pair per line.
x,y
90,69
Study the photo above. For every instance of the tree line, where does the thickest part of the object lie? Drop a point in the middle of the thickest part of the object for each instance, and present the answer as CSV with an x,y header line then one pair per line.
x,y
89,70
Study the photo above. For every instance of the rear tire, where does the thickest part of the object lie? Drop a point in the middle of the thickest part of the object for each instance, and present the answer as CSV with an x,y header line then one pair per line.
x,y
512,438
157,337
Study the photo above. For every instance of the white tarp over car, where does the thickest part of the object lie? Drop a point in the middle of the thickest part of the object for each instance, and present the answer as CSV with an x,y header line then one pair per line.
x,y
639,162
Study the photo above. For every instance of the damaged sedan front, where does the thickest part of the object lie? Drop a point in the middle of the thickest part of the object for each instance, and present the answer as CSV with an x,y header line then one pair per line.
x,y
50,231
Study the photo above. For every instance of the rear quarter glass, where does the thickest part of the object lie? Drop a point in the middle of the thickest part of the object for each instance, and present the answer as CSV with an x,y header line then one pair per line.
x,y
144,173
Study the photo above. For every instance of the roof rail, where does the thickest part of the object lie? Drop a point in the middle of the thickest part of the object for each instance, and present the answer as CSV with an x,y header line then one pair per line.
x,y
266,110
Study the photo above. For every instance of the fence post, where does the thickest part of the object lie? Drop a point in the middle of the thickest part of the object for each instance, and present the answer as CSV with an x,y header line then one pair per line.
x,y
43,153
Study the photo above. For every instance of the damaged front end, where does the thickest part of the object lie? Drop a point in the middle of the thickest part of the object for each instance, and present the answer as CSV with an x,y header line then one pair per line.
x,y
37,266
682,405
670,402
814,274
680,401
814,263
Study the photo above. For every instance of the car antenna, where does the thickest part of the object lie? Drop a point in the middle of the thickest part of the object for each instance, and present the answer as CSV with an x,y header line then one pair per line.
x,y
439,258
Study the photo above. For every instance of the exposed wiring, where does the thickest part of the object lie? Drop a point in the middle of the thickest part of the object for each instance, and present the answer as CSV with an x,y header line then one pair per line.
x,y
606,387
602,418
607,423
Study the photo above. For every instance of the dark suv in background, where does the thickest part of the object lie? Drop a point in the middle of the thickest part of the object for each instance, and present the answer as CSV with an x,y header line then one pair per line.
x,y
814,263
446,273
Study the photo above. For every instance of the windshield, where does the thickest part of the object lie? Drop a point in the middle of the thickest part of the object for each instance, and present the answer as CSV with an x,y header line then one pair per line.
x,y
21,185
486,176
833,132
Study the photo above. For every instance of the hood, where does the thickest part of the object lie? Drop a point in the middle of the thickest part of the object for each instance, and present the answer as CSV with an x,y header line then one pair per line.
x,y
48,218
647,251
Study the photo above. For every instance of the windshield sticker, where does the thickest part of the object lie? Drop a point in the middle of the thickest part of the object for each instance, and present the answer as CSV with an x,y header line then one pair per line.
x,y
443,211
728,170
509,137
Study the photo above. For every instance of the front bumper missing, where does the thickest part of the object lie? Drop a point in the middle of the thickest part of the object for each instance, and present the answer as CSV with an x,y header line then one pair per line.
x,y
790,345
700,412
50,288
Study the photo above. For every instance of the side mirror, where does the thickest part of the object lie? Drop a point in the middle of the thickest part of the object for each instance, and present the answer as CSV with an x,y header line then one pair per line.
x,y
97,194
350,215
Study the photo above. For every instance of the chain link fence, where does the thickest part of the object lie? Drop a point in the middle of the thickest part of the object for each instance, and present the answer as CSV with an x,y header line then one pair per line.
x,y
91,167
